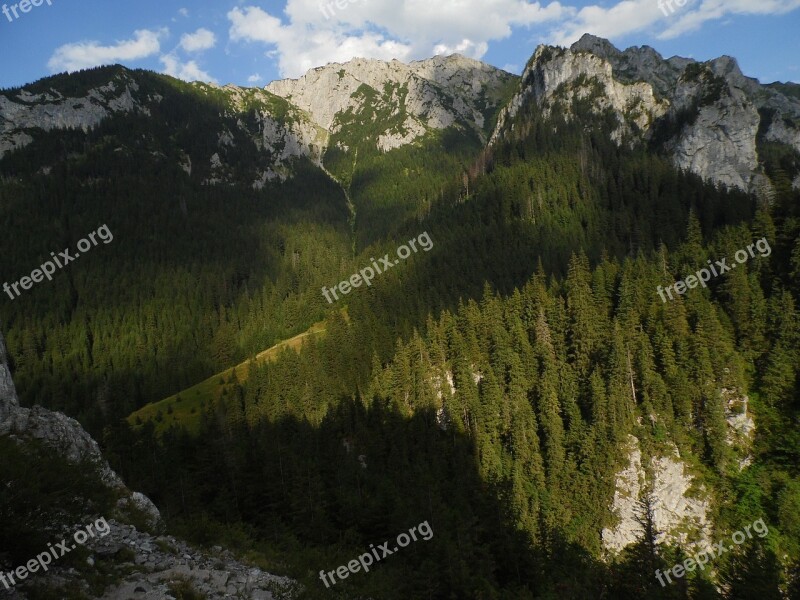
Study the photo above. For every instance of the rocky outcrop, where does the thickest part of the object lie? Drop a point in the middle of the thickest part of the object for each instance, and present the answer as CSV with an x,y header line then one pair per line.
x,y
556,76
741,426
783,130
680,507
60,433
429,94
710,113
51,110
720,144
279,140
146,567
680,516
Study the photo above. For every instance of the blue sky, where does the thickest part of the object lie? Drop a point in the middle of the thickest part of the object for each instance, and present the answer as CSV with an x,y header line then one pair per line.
x,y
254,42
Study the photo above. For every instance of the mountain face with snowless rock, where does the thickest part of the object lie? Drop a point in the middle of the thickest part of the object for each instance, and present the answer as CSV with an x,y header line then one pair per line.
x,y
707,117
601,425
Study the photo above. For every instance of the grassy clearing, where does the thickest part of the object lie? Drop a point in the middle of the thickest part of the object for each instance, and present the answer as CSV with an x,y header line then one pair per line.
x,y
185,408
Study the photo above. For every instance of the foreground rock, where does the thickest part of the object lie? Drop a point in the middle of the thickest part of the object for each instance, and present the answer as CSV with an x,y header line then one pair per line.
x,y
163,568
66,436
139,565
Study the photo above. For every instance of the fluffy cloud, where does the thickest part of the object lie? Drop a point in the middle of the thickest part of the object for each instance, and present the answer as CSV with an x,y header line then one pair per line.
x,y
310,33
82,55
624,17
629,16
314,34
188,71
202,39
254,78
709,10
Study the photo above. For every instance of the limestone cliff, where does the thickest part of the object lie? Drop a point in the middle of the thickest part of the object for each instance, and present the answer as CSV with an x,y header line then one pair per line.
x,y
707,117
429,94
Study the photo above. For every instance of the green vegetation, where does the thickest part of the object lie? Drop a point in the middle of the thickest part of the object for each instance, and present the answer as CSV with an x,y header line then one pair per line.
x,y
186,408
567,355
789,89
538,301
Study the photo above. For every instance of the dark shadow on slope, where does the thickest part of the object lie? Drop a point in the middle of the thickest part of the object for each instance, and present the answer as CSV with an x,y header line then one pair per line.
x,y
314,498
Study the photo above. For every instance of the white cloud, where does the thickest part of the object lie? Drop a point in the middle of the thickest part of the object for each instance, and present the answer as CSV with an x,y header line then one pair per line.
x,y
184,12
310,33
82,55
666,18
188,71
622,18
202,39
466,47
716,9
254,78
405,30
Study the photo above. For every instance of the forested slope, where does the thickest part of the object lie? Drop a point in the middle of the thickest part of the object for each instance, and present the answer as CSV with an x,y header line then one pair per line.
x,y
489,385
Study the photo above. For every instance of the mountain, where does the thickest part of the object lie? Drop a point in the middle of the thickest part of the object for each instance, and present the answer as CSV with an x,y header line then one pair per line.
x,y
404,100
289,119
707,117
521,384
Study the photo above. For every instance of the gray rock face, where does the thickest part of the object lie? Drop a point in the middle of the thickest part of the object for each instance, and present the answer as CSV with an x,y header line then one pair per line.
x,y
48,111
780,130
434,93
717,110
8,393
558,77
54,429
721,144
681,509
681,517
155,568
278,141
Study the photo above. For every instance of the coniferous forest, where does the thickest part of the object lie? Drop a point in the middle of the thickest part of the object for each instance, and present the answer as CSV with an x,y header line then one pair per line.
x,y
488,386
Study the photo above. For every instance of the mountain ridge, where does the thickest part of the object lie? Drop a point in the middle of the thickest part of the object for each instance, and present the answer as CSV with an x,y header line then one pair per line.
x,y
711,111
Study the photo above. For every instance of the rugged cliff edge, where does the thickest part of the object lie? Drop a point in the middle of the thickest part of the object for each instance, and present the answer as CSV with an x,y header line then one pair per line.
x,y
708,117
137,563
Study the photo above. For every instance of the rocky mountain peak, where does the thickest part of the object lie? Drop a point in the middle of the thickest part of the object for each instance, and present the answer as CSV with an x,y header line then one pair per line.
x,y
596,45
24,110
710,112
432,94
